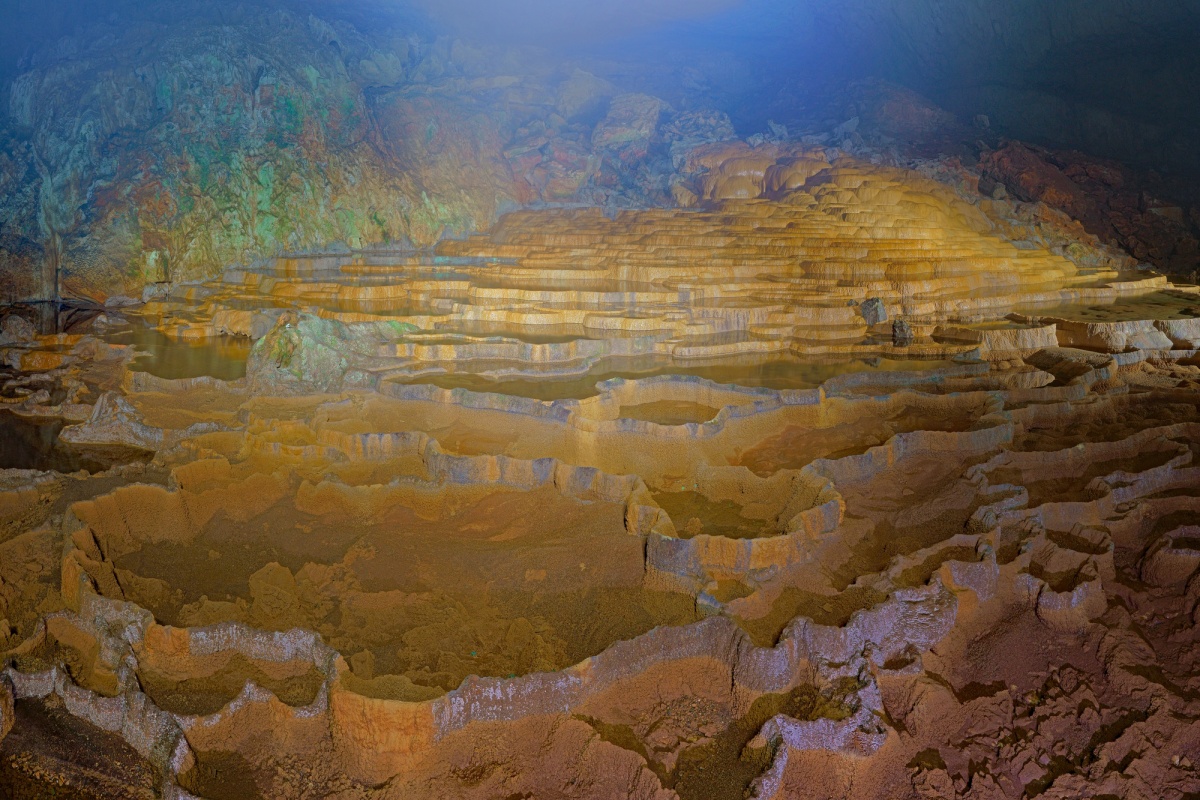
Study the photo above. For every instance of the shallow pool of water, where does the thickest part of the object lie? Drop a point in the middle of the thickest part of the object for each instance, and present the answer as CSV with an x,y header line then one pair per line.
x,y
221,357
669,412
1156,305
779,374
695,514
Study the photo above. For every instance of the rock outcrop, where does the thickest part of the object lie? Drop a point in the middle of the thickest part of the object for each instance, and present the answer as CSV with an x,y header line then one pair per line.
x,y
1113,202
162,152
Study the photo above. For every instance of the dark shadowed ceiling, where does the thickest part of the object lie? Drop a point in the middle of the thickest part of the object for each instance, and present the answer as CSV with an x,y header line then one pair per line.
x,y
1114,77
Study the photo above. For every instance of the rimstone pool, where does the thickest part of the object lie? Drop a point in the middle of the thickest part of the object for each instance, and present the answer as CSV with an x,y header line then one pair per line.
x,y
352,523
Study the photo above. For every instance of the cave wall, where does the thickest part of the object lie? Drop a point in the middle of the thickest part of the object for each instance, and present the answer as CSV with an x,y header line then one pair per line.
x,y
139,150
1114,77
148,151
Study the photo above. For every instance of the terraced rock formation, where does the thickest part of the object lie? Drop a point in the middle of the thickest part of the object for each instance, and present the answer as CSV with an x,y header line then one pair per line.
x,y
792,254
841,481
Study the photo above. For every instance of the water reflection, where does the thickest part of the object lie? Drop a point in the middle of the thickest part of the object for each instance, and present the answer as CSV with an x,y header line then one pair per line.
x,y
221,357
778,374
1167,304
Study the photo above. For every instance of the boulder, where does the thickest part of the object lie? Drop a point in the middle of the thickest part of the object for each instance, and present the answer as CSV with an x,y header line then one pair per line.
x,y
1069,365
583,94
305,354
692,129
873,311
155,291
1113,337
16,330
1183,333
114,421
629,126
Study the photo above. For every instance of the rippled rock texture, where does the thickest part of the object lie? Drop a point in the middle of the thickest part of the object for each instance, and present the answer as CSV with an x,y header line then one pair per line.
x,y
166,150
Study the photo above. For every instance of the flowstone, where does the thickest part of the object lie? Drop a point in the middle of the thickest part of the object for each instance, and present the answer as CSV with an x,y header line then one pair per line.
x,y
651,504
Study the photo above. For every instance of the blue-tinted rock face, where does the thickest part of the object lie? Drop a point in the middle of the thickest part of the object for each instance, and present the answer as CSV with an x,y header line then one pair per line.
x,y
161,153
167,151
1115,78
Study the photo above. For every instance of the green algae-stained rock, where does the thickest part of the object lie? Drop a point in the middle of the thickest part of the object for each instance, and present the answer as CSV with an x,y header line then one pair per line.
x,y
174,152
168,152
305,354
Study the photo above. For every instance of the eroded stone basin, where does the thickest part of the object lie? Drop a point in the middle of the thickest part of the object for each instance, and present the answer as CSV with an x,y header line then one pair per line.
x,y
203,686
694,513
865,425
417,583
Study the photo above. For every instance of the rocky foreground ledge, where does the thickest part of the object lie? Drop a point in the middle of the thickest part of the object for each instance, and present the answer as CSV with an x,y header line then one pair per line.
x,y
963,581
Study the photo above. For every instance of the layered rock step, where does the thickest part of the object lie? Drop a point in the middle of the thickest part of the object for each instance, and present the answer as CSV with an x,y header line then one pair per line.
x,y
780,257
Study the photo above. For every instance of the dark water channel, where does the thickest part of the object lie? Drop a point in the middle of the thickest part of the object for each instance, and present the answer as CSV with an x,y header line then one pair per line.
x,y
34,444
